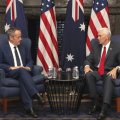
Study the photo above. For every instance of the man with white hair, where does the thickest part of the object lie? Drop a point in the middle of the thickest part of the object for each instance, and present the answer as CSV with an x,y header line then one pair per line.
x,y
102,64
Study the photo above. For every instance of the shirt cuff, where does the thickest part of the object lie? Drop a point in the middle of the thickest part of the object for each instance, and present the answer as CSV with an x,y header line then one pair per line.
x,y
118,67
87,66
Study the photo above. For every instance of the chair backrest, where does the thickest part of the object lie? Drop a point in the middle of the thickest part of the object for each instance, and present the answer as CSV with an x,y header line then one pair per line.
x,y
116,38
25,41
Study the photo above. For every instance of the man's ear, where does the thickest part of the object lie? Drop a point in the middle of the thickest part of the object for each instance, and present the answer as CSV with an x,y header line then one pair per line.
x,y
10,38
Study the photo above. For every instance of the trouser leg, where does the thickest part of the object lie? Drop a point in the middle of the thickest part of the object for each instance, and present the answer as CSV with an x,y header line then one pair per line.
x,y
91,78
28,82
108,90
26,99
27,85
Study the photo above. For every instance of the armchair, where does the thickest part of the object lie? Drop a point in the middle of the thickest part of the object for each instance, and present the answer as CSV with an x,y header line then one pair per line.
x,y
9,87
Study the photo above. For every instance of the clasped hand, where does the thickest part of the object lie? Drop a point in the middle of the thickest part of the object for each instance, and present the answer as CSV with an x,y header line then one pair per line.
x,y
87,69
17,67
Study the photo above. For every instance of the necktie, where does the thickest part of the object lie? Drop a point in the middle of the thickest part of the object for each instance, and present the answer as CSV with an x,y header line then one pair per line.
x,y
17,57
102,62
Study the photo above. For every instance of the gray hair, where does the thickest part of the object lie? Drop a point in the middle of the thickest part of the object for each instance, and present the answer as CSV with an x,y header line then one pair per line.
x,y
11,31
105,30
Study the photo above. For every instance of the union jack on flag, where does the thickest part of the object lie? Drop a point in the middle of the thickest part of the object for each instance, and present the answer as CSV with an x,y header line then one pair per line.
x,y
15,16
76,5
99,18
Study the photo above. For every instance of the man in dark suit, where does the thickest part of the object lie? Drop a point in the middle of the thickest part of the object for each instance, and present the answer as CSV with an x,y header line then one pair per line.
x,y
102,64
16,60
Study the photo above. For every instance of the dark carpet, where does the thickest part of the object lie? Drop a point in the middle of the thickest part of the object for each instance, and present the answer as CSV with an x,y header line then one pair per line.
x,y
16,112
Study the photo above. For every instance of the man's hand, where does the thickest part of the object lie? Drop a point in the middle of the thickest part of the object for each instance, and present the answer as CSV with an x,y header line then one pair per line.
x,y
13,67
27,68
87,69
113,73
17,67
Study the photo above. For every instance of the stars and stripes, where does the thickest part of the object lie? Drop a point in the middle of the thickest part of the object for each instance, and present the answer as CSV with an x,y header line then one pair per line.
x,y
47,43
99,18
73,52
15,16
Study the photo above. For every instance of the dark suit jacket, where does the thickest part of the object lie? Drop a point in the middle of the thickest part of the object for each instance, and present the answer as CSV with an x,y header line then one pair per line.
x,y
6,57
112,58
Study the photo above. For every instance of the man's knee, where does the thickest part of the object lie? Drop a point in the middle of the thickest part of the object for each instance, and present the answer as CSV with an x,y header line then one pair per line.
x,y
88,75
109,79
23,71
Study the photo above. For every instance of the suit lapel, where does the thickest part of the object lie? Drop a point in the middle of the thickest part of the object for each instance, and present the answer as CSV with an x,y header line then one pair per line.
x,y
99,52
22,53
109,50
9,53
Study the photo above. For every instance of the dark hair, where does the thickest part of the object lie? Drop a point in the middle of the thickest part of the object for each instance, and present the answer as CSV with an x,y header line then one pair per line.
x,y
11,31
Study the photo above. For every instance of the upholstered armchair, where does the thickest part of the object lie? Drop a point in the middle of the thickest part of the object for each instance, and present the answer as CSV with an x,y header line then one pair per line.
x,y
9,87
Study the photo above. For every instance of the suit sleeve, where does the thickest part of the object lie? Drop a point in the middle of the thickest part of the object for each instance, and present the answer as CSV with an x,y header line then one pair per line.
x,y
29,61
90,58
3,65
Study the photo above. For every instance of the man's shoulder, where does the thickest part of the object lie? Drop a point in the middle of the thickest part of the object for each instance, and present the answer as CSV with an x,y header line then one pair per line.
x,y
115,42
115,39
94,42
4,44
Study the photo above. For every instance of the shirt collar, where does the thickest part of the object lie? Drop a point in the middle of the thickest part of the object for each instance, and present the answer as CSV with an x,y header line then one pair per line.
x,y
11,45
108,44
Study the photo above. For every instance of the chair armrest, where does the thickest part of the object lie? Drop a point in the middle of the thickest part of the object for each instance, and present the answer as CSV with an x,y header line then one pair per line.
x,y
118,74
37,70
2,76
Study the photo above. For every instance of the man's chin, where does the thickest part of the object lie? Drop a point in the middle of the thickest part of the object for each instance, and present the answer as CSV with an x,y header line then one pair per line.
x,y
18,44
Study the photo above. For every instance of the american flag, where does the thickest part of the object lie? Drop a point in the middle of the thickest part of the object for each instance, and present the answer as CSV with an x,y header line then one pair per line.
x,y
73,52
15,16
47,43
99,18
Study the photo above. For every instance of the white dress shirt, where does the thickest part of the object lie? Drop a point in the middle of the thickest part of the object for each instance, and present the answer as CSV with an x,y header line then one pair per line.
x,y
107,47
14,56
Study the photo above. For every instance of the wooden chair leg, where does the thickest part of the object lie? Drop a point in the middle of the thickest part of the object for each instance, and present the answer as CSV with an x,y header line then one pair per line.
x,y
45,96
118,104
5,104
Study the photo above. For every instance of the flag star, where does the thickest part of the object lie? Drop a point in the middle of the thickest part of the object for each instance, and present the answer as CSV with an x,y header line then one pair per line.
x,y
102,4
7,27
21,1
70,57
48,0
96,9
82,27
97,3
47,5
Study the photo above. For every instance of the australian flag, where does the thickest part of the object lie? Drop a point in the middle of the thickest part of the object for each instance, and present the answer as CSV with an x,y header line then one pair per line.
x,y
15,16
73,52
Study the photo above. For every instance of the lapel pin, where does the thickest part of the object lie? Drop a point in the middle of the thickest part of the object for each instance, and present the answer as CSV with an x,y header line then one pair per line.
x,y
110,48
